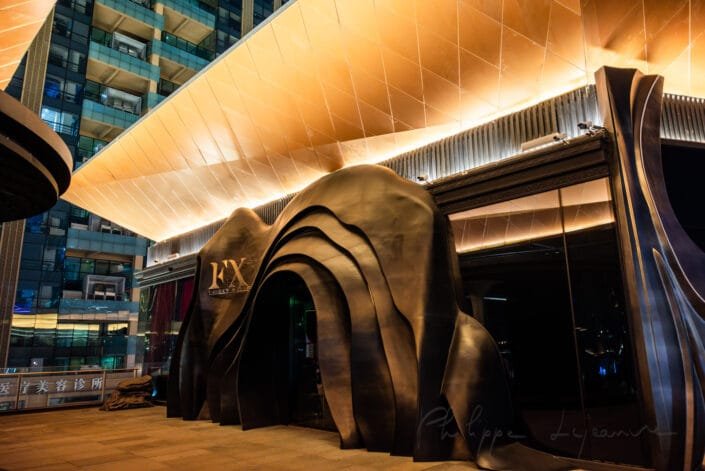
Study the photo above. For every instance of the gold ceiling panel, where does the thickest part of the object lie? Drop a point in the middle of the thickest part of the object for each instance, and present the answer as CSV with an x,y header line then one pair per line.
x,y
20,21
329,83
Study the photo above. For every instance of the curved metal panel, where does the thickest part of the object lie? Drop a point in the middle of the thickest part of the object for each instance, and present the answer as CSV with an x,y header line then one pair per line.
x,y
403,367
664,271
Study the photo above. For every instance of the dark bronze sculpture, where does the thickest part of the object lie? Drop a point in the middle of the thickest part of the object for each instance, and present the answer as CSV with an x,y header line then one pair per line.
x,y
375,253
404,368
664,272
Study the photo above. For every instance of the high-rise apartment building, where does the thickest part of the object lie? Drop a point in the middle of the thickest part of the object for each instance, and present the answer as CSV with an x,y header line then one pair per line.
x,y
109,62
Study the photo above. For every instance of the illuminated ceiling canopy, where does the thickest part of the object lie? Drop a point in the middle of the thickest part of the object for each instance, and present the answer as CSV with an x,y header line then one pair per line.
x,y
20,21
324,84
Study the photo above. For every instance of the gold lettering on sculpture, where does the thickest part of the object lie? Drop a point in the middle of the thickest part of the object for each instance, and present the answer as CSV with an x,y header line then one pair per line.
x,y
230,270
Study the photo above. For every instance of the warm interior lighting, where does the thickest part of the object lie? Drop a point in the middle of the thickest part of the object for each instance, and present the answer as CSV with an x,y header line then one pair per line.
x,y
34,321
322,85
533,217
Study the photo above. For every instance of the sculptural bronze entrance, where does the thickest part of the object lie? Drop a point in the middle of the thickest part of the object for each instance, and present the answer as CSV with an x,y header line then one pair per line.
x,y
377,331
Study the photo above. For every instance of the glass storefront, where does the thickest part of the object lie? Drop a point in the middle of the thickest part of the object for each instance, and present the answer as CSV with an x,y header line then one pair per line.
x,y
46,341
162,310
542,273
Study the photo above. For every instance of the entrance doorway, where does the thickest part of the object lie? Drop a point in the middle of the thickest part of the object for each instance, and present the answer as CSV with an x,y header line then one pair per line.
x,y
280,378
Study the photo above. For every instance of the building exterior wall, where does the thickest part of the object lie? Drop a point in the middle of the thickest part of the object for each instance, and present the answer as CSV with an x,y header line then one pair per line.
x,y
109,62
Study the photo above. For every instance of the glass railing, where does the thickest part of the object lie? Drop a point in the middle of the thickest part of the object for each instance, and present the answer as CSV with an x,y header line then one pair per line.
x,y
166,87
95,111
87,148
113,98
106,243
199,11
151,100
137,9
96,306
121,60
187,46
180,56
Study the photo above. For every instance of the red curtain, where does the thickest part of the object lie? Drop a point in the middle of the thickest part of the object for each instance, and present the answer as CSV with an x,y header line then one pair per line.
x,y
170,302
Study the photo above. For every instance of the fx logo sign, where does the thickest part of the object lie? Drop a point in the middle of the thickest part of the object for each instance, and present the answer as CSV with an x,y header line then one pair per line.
x,y
227,278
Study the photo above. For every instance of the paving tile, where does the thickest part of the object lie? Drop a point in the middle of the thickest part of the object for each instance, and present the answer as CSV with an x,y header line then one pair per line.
x,y
144,439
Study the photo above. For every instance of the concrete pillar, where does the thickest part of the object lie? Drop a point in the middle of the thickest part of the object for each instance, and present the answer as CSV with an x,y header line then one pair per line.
x,y
248,16
12,233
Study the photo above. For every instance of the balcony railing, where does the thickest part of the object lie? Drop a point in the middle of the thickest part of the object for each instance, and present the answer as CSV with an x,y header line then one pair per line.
x,y
187,46
177,55
113,98
108,115
140,10
198,11
103,242
151,100
166,87
130,57
96,306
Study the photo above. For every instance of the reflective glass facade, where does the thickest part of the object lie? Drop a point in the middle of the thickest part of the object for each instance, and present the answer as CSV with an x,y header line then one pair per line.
x,y
76,301
543,275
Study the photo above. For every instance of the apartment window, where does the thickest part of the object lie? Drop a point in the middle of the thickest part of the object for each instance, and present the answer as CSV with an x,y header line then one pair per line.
x,y
129,46
70,29
80,6
88,147
262,9
60,121
66,58
62,25
58,88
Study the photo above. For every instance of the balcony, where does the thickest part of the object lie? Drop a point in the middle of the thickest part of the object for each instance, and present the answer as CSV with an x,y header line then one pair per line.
x,y
120,61
133,16
106,243
166,87
96,306
152,100
177,64
107,111
190,19
104,122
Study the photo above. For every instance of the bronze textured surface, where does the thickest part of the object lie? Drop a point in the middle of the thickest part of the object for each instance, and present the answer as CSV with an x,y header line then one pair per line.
x,y
325,84
403,368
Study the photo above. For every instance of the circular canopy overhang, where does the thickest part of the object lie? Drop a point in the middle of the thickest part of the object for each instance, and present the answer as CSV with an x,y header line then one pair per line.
x,y
36,163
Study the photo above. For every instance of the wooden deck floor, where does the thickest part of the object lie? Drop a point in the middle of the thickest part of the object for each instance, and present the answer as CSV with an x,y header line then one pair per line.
x,y
143,439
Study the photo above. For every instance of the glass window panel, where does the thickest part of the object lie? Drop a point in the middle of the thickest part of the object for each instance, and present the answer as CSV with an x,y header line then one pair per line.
x,y
102,267
87,265
518,220
586,205
62,25
547,267
53,87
